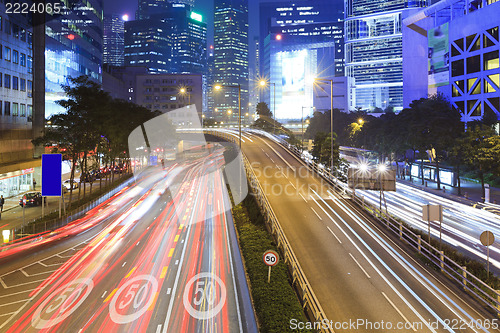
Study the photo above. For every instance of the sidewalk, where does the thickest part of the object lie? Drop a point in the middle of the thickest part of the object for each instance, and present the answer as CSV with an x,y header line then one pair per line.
x,y
471,192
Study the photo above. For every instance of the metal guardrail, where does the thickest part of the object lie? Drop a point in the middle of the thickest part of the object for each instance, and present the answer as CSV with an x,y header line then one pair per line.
x,y
456,272
310,302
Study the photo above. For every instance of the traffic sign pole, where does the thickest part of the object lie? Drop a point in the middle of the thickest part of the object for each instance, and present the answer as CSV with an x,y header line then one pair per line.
x,y
270,258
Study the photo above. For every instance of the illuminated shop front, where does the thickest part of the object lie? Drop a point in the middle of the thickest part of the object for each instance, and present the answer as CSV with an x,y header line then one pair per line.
x,y
14,183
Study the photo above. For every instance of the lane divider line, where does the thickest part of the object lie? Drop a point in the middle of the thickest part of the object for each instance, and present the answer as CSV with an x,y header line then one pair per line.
x,y
359,265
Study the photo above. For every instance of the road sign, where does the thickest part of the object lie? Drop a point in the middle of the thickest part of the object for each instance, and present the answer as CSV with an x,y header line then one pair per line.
x,y
371,179
51,175
432,213
487,238
24,200
271,258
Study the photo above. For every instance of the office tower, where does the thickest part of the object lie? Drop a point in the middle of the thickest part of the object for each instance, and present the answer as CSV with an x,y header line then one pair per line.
x,y
73,47
313,21
113,40
173,40
373,44
17,165
230,57
147,8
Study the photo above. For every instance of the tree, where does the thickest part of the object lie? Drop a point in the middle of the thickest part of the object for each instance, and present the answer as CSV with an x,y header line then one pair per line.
x,y
263,110
322,152
476,148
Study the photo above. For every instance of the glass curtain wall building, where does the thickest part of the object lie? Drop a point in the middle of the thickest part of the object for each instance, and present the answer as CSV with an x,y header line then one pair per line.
x,y
230,58
373,51
73,47
113,40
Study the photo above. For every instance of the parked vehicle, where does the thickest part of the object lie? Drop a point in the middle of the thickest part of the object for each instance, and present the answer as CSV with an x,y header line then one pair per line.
x,y
32,199
87,177
68,186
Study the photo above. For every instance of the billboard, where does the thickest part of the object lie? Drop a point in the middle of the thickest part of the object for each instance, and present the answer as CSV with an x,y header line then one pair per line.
x,y
438,56
51,175
293,65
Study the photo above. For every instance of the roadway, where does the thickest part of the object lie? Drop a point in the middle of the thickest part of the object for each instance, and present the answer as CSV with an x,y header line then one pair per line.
x,y
462,224
159,256
356,271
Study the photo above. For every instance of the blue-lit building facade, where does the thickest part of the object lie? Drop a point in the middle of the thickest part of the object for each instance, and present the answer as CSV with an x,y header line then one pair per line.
x,y
374,51
17,163
303,40
230,64
73,47
456,45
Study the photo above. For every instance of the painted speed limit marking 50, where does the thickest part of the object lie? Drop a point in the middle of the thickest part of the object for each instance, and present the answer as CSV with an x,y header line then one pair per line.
x,y
60,304
204,296
133,299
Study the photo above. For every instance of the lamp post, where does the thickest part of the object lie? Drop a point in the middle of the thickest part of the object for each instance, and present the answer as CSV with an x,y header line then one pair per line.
x,y
264,83
183,92
331,114
219,87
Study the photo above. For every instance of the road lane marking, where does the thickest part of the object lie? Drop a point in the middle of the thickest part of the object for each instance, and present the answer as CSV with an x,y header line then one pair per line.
x,y
104,294
171,252
23,300
177,262
21,284
181,226
292,185
319,217
182,241
6,314
19,292
303,197
130,273
168,291
153,303
176,238
359,265
158,329
124,264
110,295
137,243
24,272
163,272
397,310
44,265
338,239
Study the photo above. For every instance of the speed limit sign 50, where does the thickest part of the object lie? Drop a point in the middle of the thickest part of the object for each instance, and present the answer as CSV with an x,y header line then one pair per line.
x,y
271,258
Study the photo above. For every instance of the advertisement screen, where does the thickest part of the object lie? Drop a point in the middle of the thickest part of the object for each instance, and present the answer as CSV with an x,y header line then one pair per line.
x,y
294,70
439,56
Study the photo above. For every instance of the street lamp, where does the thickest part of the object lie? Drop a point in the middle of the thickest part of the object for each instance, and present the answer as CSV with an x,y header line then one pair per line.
x,y
331,114
219,87
183,91
264,83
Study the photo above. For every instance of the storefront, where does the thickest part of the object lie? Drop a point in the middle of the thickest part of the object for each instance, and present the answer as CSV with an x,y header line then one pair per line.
x,y
14,183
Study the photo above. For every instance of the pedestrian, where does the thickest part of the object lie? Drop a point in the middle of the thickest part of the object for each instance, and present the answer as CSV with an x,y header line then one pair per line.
x,y
34,184
2,201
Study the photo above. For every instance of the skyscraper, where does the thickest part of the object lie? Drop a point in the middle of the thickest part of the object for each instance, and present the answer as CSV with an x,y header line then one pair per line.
x,y
147,8
374,52
113,40
231,56
172,40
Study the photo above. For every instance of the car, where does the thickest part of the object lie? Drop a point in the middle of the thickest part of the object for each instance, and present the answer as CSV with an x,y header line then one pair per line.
x,y
68,186
87,177
32,199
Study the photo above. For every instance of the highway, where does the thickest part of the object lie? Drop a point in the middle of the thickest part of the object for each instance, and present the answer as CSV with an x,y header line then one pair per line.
x,y
159,256
358,273
462,224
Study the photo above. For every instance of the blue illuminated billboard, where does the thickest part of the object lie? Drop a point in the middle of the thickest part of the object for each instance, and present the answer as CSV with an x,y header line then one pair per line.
x,y
51,175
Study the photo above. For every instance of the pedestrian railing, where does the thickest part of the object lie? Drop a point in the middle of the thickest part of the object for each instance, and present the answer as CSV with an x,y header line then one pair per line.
x,y
35,228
